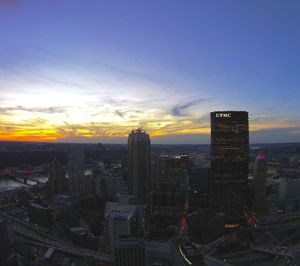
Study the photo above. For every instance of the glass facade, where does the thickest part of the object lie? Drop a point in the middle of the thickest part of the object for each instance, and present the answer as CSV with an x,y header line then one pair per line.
x,y
229,162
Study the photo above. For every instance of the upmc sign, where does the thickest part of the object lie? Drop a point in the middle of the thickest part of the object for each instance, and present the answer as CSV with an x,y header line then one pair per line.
x,y
225,115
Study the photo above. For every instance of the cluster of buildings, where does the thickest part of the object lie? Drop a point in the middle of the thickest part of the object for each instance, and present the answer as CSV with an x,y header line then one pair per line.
x,y
180,199
166,206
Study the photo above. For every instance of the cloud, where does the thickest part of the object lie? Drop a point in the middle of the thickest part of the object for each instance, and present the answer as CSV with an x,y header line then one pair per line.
x,y
296,131
273,135
45,68
182,139
28,71
179,109
47,110
98,107
203,119
120,114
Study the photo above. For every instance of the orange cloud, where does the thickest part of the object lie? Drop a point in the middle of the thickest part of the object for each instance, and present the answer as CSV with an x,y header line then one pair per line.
x,y
44,129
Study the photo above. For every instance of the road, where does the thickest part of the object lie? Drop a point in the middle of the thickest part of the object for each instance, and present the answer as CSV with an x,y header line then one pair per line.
x,y
25,229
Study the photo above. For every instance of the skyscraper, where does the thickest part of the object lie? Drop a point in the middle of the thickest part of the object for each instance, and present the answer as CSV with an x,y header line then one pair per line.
x,y
57,179
259,179
139,165
76,171
229,162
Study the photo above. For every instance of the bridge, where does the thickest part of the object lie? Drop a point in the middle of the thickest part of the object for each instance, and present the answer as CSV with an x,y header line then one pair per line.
x,y
24,179
8,205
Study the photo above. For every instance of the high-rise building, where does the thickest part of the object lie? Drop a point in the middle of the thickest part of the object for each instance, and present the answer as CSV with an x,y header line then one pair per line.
x,y
139,165
171,192
76,171
289,197
57,179
173,171
229,163
259,180
198,188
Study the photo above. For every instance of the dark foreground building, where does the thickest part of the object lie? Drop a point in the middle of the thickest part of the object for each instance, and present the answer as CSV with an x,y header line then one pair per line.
x,y
139,165
260,169
57,179
229,163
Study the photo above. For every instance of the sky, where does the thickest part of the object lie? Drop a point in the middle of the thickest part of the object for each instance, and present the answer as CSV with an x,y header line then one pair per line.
x,y
91,71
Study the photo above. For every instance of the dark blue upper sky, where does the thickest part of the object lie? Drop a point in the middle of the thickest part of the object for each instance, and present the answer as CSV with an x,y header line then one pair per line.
x,y
162,65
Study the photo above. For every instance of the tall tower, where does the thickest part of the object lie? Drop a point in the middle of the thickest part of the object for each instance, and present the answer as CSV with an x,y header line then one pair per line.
x,y
139,165
76,171
229,162
57,179
259,180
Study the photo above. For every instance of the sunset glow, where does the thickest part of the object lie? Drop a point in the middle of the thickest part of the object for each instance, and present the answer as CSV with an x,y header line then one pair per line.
x,y
80,80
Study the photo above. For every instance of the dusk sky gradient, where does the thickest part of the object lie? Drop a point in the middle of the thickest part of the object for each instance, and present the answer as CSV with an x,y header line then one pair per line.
x,y
91,71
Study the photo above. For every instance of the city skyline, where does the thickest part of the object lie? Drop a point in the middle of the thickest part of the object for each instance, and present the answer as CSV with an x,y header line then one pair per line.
x,y
73,72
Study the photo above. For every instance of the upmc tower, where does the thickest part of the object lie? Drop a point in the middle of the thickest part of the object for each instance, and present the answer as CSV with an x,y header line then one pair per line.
x,y
229,162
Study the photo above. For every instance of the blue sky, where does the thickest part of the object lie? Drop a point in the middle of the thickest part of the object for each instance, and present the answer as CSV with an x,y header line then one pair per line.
x,y
94,70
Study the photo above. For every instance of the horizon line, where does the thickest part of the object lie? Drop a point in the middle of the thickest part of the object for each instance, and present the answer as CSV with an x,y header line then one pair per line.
x,y
108,143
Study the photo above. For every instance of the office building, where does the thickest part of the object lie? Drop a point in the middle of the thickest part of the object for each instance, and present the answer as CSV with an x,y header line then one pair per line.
x,y
173,171
137,252
108,187
129,252
41,215
172,183
289,197
76,171
259,182
198,188
167,200
229,163
121,220
139,165
57,179
89,182
198,179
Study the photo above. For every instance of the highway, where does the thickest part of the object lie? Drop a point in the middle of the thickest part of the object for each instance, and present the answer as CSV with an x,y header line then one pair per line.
x,y
25,229
64,247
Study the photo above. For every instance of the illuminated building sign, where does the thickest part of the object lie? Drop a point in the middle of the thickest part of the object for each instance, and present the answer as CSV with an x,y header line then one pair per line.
x,y
230,226
225,115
